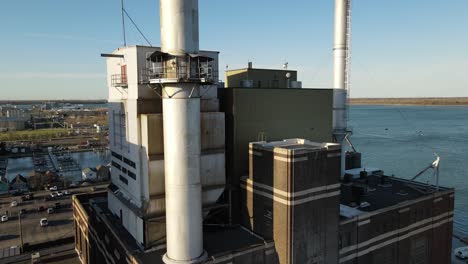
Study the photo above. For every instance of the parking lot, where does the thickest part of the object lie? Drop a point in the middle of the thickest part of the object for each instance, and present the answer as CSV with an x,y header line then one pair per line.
x,y
60,222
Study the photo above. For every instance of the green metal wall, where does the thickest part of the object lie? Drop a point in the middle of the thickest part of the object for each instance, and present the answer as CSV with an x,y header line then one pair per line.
x,y
254,114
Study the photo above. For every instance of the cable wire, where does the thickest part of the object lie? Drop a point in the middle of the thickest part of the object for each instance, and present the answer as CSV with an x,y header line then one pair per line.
x,y
136,26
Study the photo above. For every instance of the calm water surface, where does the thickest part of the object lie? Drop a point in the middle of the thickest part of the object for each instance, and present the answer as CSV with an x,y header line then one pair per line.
x,y
24,166
402,140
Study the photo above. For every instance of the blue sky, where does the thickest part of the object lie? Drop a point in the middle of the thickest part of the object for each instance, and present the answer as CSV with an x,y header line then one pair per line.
x,y
50,49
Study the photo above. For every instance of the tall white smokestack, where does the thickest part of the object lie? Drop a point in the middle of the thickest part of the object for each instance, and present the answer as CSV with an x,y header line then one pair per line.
x,y
341,73
181,115
179,27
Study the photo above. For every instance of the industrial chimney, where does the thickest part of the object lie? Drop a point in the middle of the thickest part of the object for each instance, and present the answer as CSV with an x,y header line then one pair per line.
x,y
181,115
341,73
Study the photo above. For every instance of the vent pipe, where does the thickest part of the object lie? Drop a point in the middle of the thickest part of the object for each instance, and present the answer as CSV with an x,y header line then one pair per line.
x,y
341,73
182,144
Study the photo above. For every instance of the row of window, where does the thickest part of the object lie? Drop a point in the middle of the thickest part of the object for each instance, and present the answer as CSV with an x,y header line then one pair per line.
x,y
124,159
124,170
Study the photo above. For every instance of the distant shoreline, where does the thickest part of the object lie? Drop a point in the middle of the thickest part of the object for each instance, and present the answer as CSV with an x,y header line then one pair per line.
x,y
442,101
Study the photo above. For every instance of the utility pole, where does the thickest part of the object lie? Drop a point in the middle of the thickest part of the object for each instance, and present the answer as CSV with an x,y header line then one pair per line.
x,y
21,232
123,22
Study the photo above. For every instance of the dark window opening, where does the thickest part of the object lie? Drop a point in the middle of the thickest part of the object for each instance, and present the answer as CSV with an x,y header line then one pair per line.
x,y
116,165
117,156
132,175
129,162
123,179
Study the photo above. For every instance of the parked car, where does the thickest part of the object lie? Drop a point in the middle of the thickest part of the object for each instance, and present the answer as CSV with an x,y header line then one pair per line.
x,y
461,252
22,211
66,192
40,208
13,203
53,188
4,218
57,205
53,195
59,194
44,222
50,210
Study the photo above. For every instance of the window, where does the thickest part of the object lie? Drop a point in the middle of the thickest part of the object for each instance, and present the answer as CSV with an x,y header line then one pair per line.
x,y
123,179
115,155
132,175
124,170
129,162
120,129
116,165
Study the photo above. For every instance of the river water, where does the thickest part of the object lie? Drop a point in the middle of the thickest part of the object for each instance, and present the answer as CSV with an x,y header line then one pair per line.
x,y
24,166
402,141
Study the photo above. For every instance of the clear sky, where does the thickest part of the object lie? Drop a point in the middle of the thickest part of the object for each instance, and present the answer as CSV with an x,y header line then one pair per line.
x,y
50,49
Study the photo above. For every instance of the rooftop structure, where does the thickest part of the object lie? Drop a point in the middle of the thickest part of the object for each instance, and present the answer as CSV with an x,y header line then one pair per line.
x,y
261,78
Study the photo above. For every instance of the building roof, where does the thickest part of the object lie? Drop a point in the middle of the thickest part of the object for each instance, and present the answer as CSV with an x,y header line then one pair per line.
x,y
89,170
19,179
377,191
261,69
217,241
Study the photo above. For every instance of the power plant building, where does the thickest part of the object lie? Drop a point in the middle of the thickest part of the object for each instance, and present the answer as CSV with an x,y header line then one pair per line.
x,y
254,173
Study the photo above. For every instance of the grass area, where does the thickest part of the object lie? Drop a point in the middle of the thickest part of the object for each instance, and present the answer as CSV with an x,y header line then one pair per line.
x,y
34,134
411,101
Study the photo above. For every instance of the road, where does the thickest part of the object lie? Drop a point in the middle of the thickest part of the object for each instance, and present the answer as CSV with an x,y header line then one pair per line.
x,y
60,222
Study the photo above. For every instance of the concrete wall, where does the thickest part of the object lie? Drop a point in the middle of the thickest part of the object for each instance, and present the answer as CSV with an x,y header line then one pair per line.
x,y
418,231
292,197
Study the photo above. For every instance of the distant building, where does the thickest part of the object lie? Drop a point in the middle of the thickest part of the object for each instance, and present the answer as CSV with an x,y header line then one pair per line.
x,y
261,78
19,184
38,180
89,174
103,173
12,124
4,186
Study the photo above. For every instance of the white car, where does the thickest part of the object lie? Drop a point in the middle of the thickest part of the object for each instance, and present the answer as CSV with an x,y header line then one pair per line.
x,y
53,195
66,192
59,194
461,252
4,218
43,222
53,188
14,203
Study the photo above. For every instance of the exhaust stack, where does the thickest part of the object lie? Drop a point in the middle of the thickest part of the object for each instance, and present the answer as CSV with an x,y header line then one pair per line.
x,y
341,74
181,115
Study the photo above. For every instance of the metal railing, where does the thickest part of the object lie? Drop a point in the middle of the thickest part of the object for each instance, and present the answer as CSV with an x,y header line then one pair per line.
x,y
119,80
203,73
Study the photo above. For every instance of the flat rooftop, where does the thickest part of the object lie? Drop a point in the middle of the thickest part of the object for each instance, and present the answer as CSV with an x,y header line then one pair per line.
x,y
218,241
364,194
294,144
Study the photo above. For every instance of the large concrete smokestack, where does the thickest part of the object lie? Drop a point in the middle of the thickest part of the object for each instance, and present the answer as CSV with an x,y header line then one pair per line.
x,y
341,73
181,114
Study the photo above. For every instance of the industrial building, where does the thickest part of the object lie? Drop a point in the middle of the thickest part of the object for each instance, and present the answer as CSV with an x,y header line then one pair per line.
x,y
252,173
261,78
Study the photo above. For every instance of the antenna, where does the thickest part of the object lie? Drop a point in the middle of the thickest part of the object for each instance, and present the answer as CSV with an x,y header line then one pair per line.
x,y
123,22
